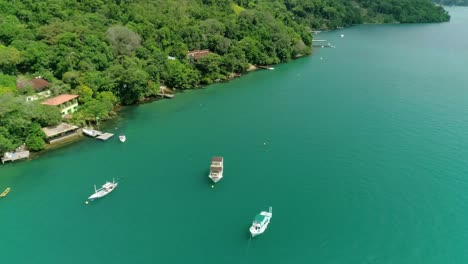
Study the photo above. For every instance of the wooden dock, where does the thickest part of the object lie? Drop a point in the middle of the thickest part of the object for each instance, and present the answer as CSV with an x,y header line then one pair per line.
x,y
165,95
265,67
97,134
104,136
165,92
17,155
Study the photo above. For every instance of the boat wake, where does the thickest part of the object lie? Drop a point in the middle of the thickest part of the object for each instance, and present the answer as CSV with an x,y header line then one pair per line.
x,y
248,246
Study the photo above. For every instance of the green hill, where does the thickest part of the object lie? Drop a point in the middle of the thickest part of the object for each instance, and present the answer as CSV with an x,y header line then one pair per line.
x,y
121,51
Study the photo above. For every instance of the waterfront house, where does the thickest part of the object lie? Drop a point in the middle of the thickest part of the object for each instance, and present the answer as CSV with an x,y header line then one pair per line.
x,y
66,102
40,87
59,132
198,54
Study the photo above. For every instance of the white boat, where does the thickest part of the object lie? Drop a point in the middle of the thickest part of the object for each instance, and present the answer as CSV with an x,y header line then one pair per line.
x,y
90,132
104,190
122,138
216,169
261,222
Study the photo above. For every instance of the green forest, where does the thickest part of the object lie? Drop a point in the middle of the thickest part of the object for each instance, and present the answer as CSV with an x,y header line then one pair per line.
x,y
118,52
452,2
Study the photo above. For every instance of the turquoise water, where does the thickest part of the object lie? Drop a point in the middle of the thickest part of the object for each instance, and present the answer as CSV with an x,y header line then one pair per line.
x,y
362,154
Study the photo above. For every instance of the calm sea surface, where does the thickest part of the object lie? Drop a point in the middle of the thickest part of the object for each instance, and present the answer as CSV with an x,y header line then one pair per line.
x,y
363,155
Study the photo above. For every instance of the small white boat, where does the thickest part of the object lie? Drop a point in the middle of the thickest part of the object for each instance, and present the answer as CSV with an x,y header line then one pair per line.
x,y
261,222
5,192
104,190
216,169
122,138
90,132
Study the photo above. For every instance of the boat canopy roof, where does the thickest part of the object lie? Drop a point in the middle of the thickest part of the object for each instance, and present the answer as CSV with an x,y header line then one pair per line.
x,y
217,159
259,218
216,169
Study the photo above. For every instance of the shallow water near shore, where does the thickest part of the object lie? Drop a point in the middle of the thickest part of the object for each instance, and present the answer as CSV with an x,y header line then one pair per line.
x,y
362,155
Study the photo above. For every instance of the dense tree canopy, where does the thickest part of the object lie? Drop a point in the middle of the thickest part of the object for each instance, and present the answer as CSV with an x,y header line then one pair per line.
x,y
120,52
21,122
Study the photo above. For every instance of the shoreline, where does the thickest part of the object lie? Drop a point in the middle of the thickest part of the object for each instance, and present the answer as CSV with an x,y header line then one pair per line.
x,y
79,135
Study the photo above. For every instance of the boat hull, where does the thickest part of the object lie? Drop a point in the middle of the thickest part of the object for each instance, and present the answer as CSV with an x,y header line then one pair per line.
x,y
89,133
260,225
215,179
255,232
102,192
4,193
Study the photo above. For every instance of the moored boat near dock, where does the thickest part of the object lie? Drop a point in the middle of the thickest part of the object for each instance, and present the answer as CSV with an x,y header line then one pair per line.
x,y
261,222
97,134
5,192
216,169
122,138
91,132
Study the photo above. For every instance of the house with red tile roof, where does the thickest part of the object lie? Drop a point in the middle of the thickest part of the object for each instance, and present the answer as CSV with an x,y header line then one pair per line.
x,y
198,54
40,87
67,103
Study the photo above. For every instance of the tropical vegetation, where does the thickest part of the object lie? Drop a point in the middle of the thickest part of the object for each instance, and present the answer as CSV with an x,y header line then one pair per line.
x,y
120,52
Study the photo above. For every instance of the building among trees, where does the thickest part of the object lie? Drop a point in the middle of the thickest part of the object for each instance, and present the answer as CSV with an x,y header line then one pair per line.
x,y
59,132
39,86
66,102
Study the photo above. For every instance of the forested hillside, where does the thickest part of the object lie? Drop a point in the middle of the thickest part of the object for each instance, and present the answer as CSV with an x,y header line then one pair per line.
x,y
117,51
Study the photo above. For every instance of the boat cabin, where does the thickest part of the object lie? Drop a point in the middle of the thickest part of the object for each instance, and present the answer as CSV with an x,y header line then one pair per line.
x,y
217,162
260,219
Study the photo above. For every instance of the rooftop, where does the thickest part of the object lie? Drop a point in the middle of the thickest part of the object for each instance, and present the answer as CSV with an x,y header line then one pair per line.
x,y
259,218
36,83
217,159
198,54
51,131
215,169
58,100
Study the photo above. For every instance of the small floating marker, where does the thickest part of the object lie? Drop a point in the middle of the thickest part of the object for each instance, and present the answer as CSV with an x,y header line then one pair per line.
x,y
264,143
212,186
86,202
321,58
342,35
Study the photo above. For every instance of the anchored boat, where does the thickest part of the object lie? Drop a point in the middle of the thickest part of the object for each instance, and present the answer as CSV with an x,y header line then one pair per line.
x,y
122,138
261,222
90,132
216,169
104,190
5,192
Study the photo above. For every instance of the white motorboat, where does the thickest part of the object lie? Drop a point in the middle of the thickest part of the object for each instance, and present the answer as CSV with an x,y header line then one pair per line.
x,y
122,138
104,190
261,222
90,132
216,169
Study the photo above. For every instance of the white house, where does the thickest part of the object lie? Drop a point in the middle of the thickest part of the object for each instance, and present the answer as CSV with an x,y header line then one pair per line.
x,y
66,102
